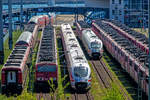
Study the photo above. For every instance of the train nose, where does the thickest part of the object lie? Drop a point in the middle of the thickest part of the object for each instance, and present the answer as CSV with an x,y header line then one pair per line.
x,y
96,55
81,85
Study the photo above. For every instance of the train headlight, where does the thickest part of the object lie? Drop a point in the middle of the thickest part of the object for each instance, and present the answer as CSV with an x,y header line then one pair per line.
x,y
54,78
38,78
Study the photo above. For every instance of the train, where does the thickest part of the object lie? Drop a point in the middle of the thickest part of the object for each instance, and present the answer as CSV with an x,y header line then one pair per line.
x,y
77,64
15,70
131,58
140,40
41,20
46,63
92,43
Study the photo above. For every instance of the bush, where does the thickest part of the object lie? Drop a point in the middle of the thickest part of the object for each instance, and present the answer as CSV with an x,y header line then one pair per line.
x,y
113,93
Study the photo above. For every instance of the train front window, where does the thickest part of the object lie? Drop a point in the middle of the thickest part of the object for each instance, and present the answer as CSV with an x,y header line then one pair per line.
x,y
95,45
80,72
46,68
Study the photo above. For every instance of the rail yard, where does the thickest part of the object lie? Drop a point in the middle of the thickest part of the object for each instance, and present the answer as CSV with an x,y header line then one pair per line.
x,y
58,58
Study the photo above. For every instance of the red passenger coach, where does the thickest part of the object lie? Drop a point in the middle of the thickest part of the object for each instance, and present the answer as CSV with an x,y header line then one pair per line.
x,y
25,39
41,20
46,63
15,70
140,40
132,58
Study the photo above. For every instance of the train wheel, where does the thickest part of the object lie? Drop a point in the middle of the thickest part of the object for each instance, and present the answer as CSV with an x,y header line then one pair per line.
x,y
3,90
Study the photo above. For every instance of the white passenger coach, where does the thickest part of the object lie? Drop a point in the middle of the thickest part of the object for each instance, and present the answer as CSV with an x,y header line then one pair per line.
x,y
78,67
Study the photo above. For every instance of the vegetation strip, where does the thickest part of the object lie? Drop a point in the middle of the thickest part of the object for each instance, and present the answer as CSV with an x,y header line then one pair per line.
x,y
117,81
7,52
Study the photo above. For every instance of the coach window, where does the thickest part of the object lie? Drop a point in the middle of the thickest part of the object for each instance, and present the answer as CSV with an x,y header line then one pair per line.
x,y
122,54
118,51
141,74
130,63
119,1
146,79
135,67
115,48
113,1
120,12
113,12
126,58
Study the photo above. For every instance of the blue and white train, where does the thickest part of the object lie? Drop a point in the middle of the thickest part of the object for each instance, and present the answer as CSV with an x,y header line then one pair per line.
x,y
78,67
92,43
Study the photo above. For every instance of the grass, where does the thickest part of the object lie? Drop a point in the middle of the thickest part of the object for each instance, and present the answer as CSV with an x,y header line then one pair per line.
x,y
121,76
115,84
145,32
27,93
96,90
99,92
7,52
60,93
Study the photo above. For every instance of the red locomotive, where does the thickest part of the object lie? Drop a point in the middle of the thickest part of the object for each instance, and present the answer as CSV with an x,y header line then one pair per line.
x,y
46,63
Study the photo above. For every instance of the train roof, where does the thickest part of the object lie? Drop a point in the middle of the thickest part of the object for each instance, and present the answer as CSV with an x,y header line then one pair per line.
x,y
47,52
29,27
16,57
24,38
90,35
138,36
83,24
74,50
34,19
125,44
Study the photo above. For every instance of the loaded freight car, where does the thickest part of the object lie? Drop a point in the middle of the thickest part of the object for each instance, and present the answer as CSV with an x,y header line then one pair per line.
x,y
131,58
77,64
46,62
140,40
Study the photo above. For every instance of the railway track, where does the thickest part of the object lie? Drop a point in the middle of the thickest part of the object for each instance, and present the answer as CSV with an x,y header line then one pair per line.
x,y
105,77
45,96
102,73
84,96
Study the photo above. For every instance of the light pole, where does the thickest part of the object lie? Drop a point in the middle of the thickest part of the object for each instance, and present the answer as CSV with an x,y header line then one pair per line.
x,y
149,48
21,14
10,23
1,34
75,1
